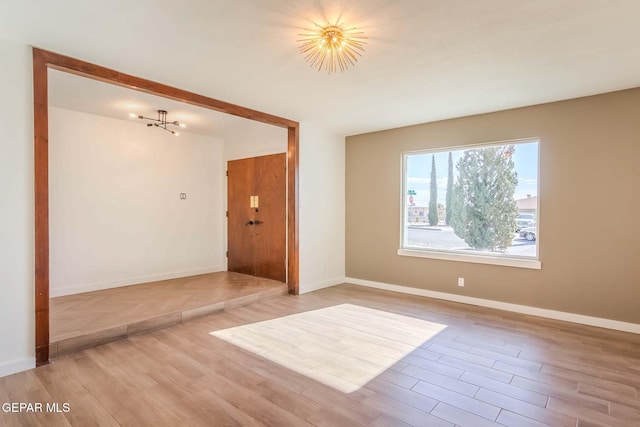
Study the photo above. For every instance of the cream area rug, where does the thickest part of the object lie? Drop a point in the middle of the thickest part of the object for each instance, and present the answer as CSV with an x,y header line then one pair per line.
x,y
344,346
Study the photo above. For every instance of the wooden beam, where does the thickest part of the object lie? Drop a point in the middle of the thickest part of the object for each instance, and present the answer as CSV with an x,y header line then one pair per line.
x,y
42,60
41,206
293,148
107,75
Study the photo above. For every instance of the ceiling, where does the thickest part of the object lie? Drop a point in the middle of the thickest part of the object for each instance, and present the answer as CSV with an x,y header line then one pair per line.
x,y
104,99
425,60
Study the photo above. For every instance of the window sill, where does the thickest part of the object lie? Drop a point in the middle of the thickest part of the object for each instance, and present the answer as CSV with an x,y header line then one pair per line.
x,y
478,259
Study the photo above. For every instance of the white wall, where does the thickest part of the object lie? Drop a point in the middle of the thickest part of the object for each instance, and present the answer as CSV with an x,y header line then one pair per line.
x,y
322,208
116,217
17,334
254,139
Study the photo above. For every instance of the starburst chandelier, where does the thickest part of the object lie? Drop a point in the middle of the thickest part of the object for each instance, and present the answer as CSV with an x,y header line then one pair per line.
x,y
332,47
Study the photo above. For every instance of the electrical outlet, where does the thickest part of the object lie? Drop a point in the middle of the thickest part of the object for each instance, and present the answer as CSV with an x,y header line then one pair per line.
x,y
460,281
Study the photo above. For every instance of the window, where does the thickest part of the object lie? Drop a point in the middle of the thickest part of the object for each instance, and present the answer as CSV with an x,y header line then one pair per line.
x,y
476,204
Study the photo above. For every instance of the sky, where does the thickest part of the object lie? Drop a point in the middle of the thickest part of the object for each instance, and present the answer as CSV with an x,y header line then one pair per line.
x,y
525,159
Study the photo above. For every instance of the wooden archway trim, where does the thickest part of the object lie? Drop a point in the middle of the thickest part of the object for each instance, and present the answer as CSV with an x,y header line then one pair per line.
x,y
42,60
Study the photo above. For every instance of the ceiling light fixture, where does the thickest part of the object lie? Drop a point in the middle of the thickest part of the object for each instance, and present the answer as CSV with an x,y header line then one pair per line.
x,y
332,46
161,122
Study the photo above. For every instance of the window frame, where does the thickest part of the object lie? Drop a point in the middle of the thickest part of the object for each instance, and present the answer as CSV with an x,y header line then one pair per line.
x,y
470,256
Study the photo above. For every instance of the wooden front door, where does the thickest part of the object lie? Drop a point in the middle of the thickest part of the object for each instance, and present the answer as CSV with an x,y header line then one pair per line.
x,y
256,224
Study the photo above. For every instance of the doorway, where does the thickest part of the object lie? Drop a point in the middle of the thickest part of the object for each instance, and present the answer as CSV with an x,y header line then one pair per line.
x,y
42,61
256,223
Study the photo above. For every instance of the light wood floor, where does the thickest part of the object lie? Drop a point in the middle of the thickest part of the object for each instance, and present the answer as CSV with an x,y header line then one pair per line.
x,y
88,319
486,368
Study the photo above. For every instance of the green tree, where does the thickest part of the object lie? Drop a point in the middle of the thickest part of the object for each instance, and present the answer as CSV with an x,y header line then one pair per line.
x,y
484,208
447,219
433,197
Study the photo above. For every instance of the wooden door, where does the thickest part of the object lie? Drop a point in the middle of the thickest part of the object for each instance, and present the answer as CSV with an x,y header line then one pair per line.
x,y
257,236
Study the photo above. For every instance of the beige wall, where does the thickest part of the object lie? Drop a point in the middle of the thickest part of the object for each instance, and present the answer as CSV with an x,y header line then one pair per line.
x,y
589,207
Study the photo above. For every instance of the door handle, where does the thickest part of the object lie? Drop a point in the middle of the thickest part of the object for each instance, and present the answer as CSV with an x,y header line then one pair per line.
x,y
250,222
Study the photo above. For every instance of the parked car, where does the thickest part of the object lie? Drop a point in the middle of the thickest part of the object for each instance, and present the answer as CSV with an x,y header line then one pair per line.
x,y
528,233
525,220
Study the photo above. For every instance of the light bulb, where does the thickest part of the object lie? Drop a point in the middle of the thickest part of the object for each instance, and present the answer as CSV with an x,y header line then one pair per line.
x,y
182,125
133,115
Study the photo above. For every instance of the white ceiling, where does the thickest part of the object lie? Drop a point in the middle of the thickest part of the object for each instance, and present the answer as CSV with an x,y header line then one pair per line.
x,y
425,60
94,97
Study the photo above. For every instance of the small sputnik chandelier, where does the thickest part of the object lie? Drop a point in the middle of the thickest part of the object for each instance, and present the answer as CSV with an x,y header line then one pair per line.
x,y
161,122
332,47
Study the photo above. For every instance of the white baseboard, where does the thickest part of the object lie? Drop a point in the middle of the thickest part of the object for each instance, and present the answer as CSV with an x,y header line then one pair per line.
x,y
71,290
524,309
17,366
321,285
